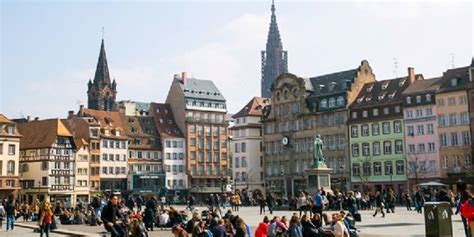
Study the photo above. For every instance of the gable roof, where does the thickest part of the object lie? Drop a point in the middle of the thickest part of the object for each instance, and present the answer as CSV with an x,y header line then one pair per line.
x,y
419,86
106,119
460,74
41,133
383,92
4,119
200,89
253,107
164,120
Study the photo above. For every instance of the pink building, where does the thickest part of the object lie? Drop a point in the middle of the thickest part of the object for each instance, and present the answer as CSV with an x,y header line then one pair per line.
x,y
421,131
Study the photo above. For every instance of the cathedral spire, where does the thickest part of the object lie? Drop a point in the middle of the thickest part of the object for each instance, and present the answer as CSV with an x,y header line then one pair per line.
x,y
274,58
102,70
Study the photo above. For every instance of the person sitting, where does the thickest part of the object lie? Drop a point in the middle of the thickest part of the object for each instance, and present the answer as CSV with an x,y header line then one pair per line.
x,y
163,219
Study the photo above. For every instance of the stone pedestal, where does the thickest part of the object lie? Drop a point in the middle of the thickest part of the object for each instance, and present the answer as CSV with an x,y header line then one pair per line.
x,y
317,178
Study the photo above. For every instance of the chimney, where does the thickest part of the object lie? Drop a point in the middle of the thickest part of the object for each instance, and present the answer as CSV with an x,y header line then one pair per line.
x,y
37,118
184,77
411,74
70,113
176,77
81,110
28,118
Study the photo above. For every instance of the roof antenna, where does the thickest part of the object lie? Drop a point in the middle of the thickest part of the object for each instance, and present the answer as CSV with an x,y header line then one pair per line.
x,y
395,67
452,60
103,32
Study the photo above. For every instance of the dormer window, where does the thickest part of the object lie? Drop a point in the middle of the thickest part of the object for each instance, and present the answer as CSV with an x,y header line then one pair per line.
x,y
170,121
368,99
369,89
10,130
331,86
385,85
168,130
324,103
392,95
365,113
428,97
408,99
117,133
354,115
402,82
332,102
375,112
340,101
360,99
157,110
381,97
418,99
454,82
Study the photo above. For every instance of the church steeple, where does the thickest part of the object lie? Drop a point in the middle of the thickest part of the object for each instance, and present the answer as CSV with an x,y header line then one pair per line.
x,y
101,92
274,58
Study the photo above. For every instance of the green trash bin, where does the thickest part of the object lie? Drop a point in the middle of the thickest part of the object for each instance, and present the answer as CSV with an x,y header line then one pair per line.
x,y
438,219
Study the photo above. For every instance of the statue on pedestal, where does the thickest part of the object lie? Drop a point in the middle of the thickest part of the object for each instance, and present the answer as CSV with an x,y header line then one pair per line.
x,y
318,157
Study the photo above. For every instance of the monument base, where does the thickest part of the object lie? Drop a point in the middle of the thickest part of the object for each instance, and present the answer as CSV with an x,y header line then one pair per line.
x,y
317,178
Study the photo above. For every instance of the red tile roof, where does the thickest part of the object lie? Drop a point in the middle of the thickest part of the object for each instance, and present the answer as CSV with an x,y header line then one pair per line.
x,y
107,120
253,107
164,120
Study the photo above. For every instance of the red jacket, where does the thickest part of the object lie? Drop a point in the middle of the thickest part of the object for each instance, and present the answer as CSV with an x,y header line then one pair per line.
x,y
467,209
261,230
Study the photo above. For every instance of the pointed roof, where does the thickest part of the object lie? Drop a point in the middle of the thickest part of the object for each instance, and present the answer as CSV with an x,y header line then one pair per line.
x,y
273,40
4,119
41,133
102,70
253,108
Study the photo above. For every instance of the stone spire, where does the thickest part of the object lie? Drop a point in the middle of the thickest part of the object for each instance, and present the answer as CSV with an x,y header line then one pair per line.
x,y
102,70
274,58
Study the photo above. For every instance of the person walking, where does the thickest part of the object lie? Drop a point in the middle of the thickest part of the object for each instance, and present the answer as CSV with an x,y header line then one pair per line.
x,y
419,201
351,203
45,218
379,204
150,214
110,217
408,201
262,203
301,203
270,202
10,210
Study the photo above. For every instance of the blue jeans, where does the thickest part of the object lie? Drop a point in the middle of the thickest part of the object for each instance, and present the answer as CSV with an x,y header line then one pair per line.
x,y
115,231
44,229
10,221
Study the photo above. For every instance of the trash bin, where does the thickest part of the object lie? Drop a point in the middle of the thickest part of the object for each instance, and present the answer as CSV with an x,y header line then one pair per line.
x,y
438,219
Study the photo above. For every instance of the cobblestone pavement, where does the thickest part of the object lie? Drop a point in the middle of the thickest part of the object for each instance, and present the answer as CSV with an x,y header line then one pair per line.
x,y
401,223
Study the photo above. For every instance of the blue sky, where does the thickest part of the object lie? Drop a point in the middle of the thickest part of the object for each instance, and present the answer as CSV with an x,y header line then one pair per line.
x,y
49,50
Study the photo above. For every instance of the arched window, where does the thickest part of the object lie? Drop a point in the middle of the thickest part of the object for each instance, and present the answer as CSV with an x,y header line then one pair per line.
x,y
324,103
340,101
332,102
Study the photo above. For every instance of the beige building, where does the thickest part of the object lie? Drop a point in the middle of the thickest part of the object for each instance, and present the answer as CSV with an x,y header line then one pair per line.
x,y
199,110
82,189
47,162
247,146
9,158
454,126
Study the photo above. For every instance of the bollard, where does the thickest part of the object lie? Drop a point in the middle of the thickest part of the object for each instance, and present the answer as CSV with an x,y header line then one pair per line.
x,y
438,219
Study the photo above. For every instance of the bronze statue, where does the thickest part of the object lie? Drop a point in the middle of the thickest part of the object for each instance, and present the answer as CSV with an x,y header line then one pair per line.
x,y
318,157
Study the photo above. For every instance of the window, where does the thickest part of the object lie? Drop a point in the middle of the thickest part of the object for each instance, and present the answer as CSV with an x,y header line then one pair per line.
x,y
451,101
375,112
365,130
468,161
420,129
377,168
354,115
454,139
386,127
355,169
243,147
375,129
441,120
397,109
418,99
11,167
355,150
340,101
237,162
365,149
398,146
456,161
466,138
419,113
376,148
244,162
431,147
411,148
354,131
11,149
445,162
464,118
429,128
400,167
366,169
323,104
387,147
421,148
365,114
332,102
397,126
453,120
462,100
428,97
440,102
410,131
388,168
443,140
429,112
44,181
409,114
408,100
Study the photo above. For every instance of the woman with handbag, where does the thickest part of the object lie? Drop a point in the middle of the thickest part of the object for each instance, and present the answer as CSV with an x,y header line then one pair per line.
x,y
45,218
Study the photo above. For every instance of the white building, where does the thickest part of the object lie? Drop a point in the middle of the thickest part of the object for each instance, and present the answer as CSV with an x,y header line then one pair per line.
x,y
81,189
247,146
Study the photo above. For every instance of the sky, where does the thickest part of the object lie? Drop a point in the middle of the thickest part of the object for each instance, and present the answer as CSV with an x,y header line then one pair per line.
x,y
49,49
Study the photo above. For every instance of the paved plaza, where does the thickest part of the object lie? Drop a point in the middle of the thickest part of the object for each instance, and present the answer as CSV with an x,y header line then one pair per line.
x,y
402,223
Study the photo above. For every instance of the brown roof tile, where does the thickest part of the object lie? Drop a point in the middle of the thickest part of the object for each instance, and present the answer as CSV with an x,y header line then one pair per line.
x,y
253,107
4,119
142,127
41,133
164,120
107,120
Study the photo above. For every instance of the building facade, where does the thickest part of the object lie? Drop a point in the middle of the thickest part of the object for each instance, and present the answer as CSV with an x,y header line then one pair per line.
x,y
47,162
376,138
332,94
82,182
174,150
101,93
9,158
454,126
247,146
274,58
421,132
145,160
199,110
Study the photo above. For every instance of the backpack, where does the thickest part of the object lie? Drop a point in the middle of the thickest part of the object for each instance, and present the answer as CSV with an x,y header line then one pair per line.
x,y
271,231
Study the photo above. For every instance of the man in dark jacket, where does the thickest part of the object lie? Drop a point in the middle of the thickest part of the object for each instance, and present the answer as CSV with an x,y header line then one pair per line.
x,y
110,217
10,211
378,204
